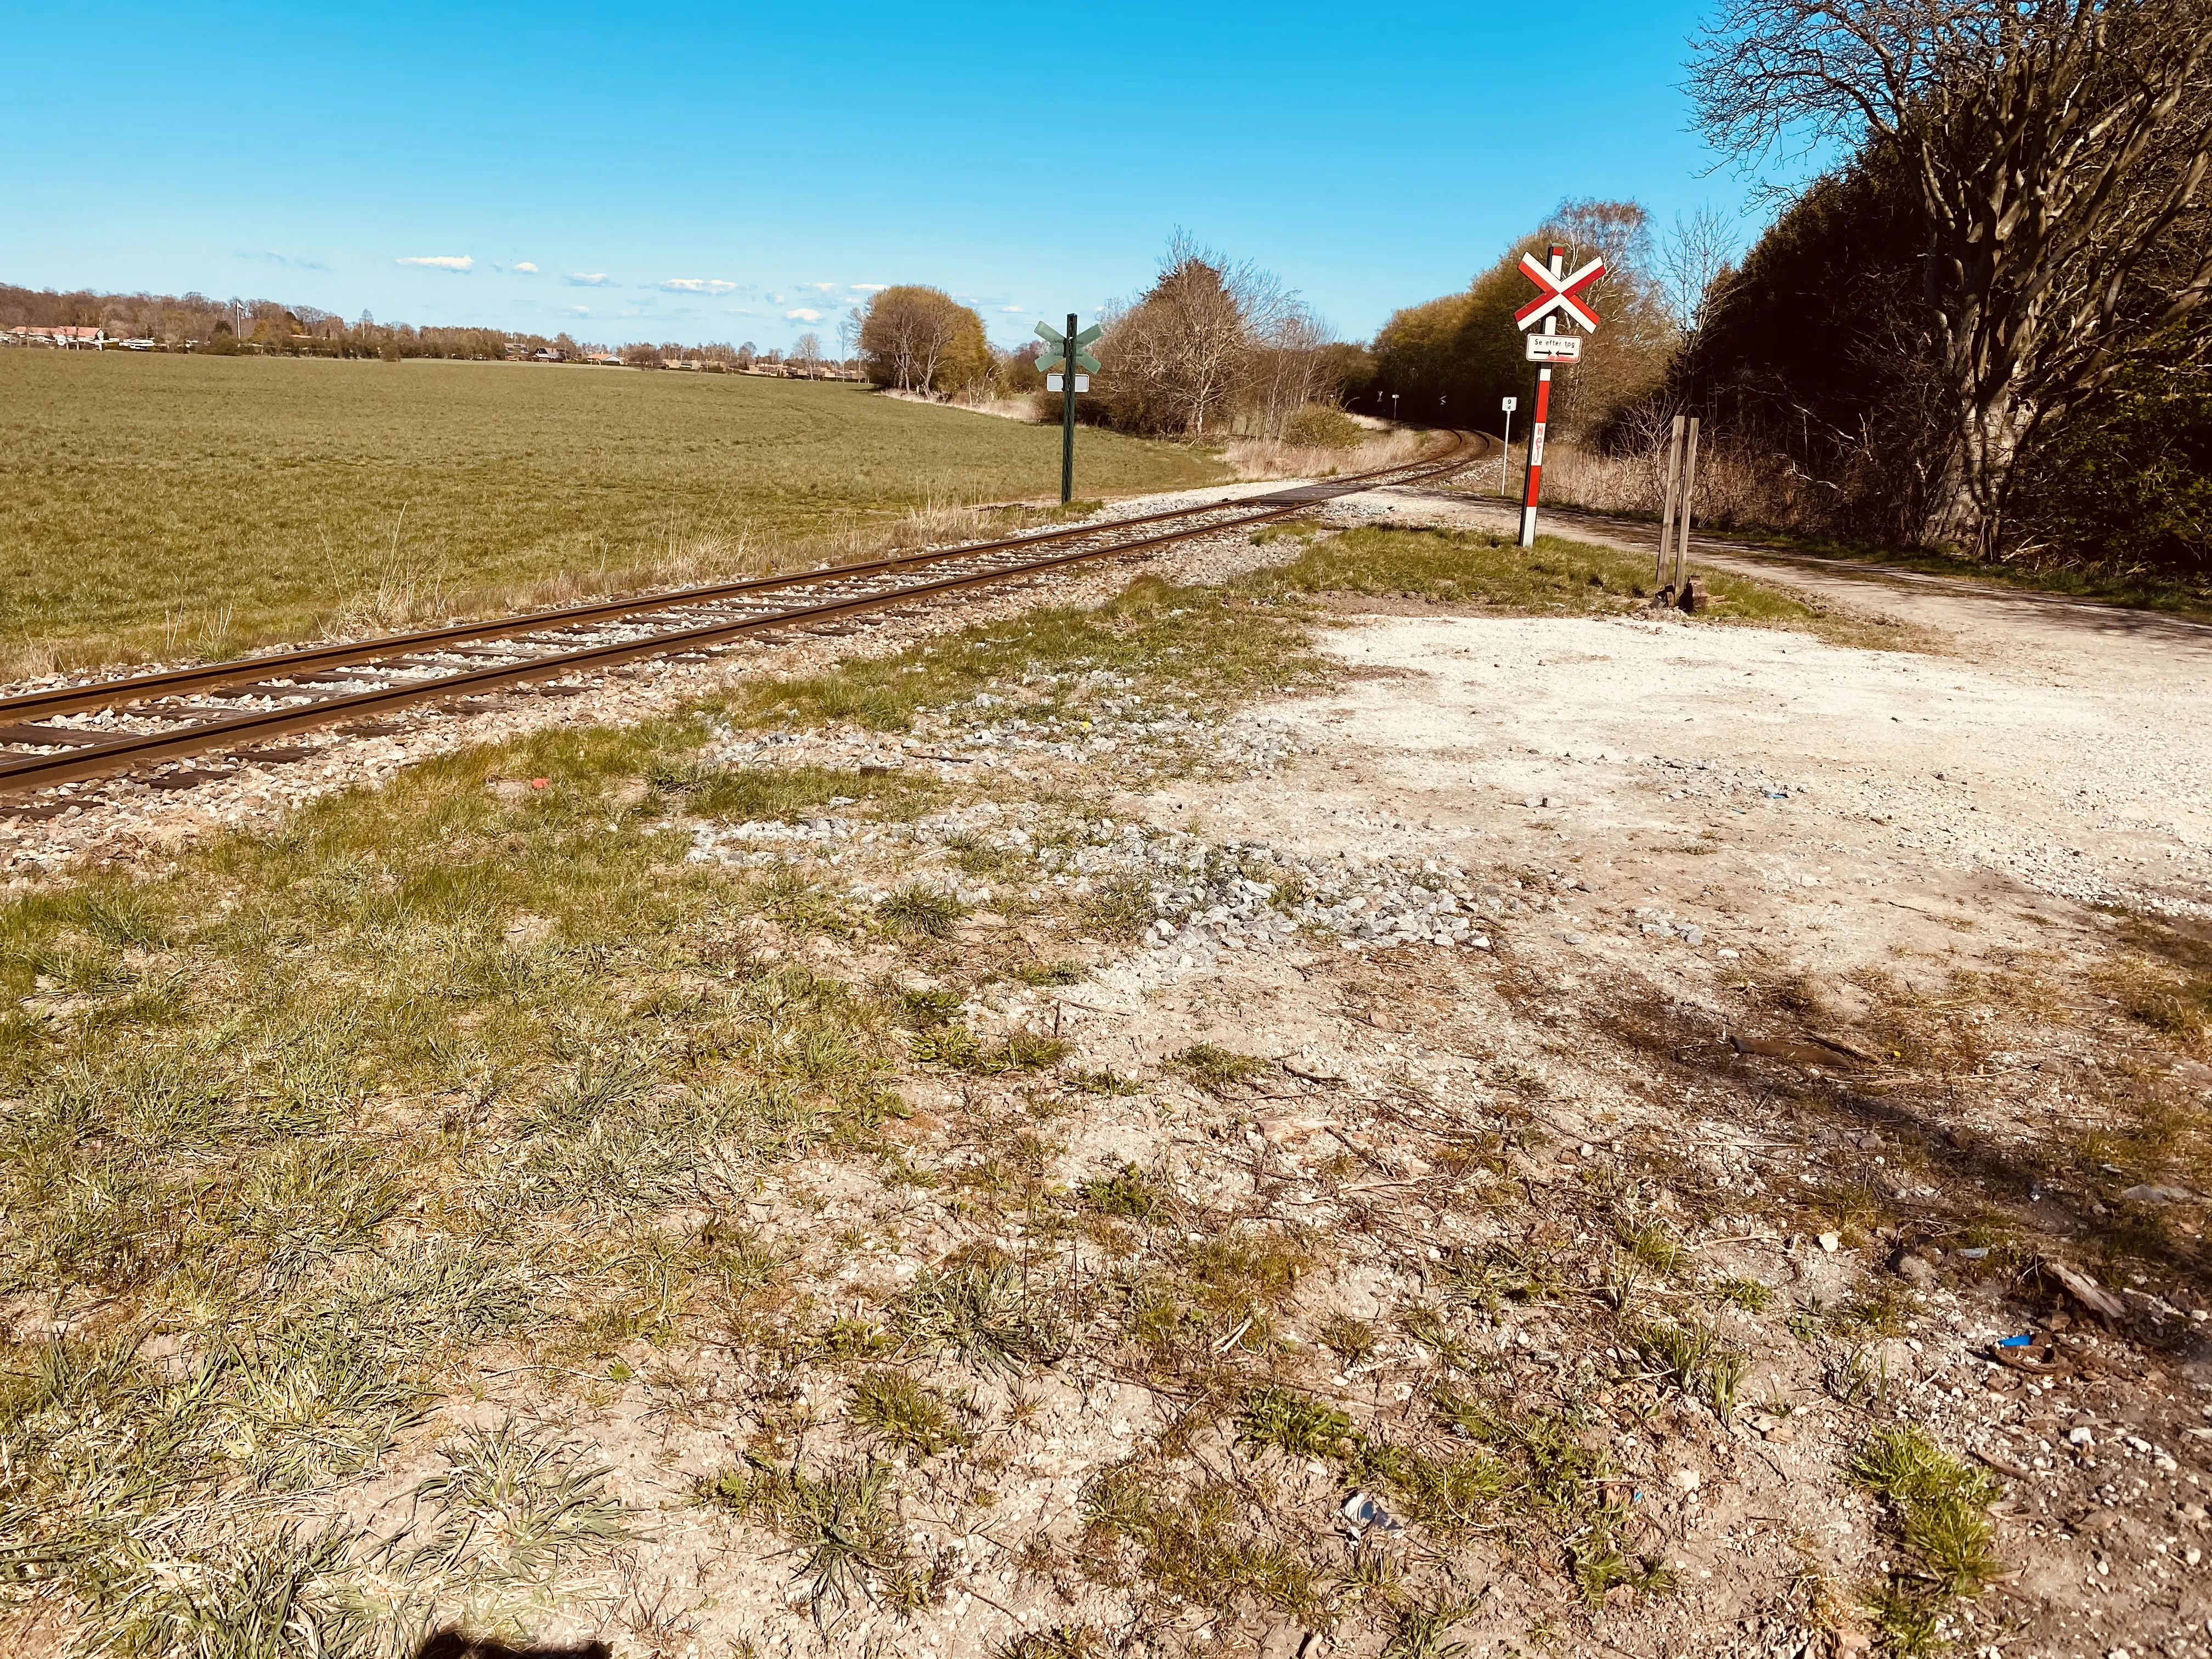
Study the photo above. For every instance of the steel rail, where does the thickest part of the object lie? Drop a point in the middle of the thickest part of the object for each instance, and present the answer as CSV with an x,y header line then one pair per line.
x,y
75,699
106,752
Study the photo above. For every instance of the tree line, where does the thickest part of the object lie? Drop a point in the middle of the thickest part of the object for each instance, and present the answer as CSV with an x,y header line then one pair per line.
x,y
2005,284
1986,329
1213,348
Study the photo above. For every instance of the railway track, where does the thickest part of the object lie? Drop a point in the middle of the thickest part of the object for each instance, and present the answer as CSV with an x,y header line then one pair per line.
x,y
144,722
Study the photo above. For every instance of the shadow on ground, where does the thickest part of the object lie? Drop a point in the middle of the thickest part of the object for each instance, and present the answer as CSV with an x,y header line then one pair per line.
x,y
452,1644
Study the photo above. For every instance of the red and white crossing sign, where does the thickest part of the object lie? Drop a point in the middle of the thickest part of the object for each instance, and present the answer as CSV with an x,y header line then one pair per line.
x,y
1558,293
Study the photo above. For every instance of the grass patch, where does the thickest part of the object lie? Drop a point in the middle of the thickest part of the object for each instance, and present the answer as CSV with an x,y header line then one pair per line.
x,y
1939,1513
1695,1358
917,908
1752,1295
844,1525
1150,634
1216,1069
1206,1546
907,1414
986,1309
1128,1193
1557,575
518,1025
1292,1424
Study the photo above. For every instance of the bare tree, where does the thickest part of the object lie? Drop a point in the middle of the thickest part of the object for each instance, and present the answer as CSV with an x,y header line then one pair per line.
x,y
1618,231
806,352
1695,263
1695,259
1185,354
848,335
2052,140
1293,368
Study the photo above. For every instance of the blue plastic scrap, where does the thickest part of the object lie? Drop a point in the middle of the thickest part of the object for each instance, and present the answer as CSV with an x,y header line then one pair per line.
x,y
1364,1512
2026,1339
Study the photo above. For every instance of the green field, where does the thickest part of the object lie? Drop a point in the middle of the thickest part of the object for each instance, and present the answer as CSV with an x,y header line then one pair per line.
x,y
157,505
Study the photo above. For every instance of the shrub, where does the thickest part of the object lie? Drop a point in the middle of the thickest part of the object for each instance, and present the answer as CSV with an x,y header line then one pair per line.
x,y
1321,426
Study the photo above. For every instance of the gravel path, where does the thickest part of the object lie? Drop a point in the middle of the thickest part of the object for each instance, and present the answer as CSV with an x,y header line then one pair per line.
x,y
2054,743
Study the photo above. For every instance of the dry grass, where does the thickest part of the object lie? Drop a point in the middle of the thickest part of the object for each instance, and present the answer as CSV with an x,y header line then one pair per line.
x,y
1732,491
1270,458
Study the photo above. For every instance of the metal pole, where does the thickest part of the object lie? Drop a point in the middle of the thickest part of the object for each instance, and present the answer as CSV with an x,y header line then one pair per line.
x,y
1557,256
1506,454
1667,512
1068,415
1689,480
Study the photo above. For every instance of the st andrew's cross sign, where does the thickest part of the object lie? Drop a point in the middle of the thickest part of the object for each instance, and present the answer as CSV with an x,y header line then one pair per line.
x,y
1560,293
1557,293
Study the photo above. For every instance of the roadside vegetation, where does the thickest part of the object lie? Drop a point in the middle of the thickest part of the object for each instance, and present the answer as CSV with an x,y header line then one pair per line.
x,y
1844,364
1559,575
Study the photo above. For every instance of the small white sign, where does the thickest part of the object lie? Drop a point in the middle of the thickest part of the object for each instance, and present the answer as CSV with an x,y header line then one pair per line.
x,y
1058,383
1555,348
1508,404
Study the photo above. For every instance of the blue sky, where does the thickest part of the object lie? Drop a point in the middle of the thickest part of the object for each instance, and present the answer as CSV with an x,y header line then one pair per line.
x,y
720,172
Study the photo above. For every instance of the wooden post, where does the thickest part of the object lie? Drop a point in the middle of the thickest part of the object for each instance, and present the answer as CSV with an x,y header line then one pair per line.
x,y
1667,511
1689,482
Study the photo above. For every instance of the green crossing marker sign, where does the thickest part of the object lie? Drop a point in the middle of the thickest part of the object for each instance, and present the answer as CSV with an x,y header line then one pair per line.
x,y
1064,347
1084,361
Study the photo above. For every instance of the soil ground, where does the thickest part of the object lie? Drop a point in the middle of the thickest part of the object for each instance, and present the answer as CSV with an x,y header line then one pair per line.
x,y
1532,1139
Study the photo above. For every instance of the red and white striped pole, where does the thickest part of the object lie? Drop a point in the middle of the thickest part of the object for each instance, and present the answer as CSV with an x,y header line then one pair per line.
x,y
1558,257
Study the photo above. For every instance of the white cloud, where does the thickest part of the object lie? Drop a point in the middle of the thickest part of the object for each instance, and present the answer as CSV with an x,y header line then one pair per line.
x,y
1013,307
804,314
441,261
526,266
822,288
586,279
699,285
867,288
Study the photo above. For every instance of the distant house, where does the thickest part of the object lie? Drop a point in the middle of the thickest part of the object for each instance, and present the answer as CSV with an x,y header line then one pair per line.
x,y
59,334
606,357
548,355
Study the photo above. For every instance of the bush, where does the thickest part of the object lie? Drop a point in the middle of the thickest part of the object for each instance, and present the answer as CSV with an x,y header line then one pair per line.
x,y
2125,484
1321,426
